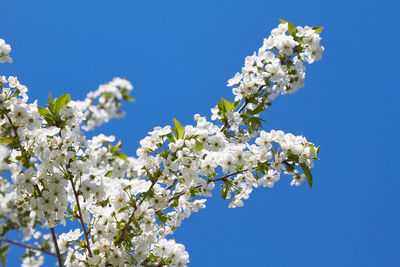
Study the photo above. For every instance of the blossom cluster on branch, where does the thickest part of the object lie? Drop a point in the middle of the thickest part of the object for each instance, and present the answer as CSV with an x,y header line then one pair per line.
x,y
128,207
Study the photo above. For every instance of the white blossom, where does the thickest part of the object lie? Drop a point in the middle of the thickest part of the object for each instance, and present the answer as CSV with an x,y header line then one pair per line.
x,y
126,208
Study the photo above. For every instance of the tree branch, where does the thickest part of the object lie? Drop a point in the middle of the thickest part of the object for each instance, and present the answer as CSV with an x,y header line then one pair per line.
x,y
223,178
23,151
54,237
27,246
123,232
80,217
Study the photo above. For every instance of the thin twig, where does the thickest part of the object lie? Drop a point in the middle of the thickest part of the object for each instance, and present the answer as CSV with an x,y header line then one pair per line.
x,y
223,178
27,246
80,217
123,232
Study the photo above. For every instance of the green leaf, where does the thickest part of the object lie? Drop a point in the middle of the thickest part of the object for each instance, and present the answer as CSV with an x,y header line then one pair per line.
x,y
317,29
8,141
121,156
221,106
109,174
289,167
123,209
171,139
260,108
308,174
193,192
128,98
61,103
174,204
173,130
161,217
227,105
179,131
224,191
51,104
199,146
50,101
3,254
291,29
152,257
254,123
236,104
44,112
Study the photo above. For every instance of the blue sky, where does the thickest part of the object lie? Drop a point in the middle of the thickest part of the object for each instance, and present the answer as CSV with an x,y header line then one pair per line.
x,y
179,55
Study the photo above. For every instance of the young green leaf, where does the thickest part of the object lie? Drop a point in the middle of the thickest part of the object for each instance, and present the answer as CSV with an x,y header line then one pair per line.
x,y
227,105
51,104
152,257
121,156
224,191
199,146
180,132
291,29
289,167
162,217
9,141
221,106
317,29
254,123
174,204
3,254
43,112
128,98
50,101
175,132
61,103
236,104
170,137
308,174
260,108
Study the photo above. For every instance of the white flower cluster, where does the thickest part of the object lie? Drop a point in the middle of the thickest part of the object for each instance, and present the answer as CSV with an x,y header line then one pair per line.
x,y
277,68
127,207
195,159
5,50
277,63
312,49
108,106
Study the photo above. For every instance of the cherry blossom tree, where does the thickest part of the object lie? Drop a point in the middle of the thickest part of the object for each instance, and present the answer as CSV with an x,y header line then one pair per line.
x,y
128,207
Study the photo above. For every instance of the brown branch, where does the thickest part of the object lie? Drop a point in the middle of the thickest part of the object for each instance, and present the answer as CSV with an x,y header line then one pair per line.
x,y
54,237
172,185
123,232
12,126
223,178
53,234
27,246
80,217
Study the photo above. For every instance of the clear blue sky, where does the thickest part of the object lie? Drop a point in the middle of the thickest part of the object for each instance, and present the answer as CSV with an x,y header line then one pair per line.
x,y
179,55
